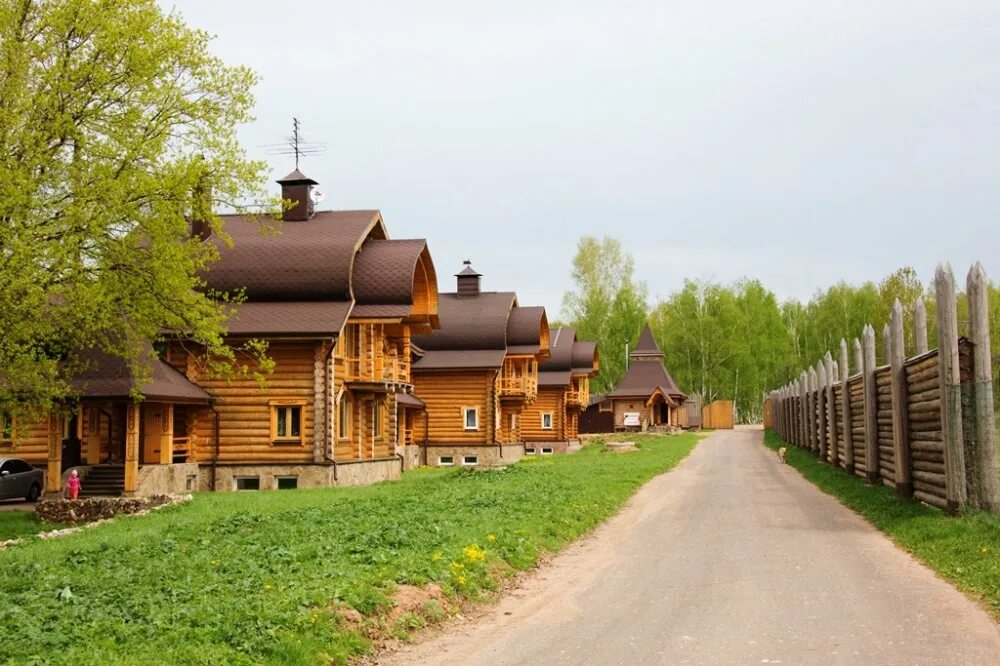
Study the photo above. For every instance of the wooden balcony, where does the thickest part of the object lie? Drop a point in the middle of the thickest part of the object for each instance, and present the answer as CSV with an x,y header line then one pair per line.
x,y
523,386
374,369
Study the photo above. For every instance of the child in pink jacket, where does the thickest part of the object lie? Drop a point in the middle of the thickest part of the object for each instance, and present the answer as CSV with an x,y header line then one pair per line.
x,y
73,485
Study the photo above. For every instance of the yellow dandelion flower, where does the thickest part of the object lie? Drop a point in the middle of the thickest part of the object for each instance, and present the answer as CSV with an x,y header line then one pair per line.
x,y
460,580
437,556
491,538
215,563
267,586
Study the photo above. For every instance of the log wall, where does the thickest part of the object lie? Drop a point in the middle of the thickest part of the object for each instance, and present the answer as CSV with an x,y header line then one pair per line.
x,y
924,424
446,394
551,399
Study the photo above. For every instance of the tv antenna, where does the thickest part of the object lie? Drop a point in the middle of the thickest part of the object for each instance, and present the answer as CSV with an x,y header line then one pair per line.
x,y
296,144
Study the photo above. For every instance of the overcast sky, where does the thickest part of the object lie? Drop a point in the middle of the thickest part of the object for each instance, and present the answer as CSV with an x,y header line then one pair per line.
x,y
798,142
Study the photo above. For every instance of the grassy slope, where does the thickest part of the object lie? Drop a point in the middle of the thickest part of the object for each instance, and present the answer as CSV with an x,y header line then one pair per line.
x,y
964,549
17,524
251,577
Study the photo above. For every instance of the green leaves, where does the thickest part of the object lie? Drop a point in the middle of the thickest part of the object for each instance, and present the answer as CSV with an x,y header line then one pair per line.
x,y
117,126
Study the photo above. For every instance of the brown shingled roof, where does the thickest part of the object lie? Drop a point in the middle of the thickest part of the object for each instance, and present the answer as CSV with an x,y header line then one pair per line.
x,y
644,377
109,377
308,260
476,322
646,346
561,348
384,270
524,329
585,357
460,359
287,318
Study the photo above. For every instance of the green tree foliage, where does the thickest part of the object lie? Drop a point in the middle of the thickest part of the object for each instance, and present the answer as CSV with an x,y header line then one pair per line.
x,y
737,342
116,127
608,305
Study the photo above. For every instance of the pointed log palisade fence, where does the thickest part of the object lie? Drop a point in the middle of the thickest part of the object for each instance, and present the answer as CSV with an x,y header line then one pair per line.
x,y
923,424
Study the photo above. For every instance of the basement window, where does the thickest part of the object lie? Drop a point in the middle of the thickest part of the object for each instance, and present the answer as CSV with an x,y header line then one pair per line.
x,y
248,483
529,450
470,461
287,482
547,451
446,461
547,421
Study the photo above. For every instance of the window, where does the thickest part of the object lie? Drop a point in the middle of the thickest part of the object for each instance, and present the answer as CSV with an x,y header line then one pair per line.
x,y
605,406
469,461
547,421
446,461
248,483
471,418
547,451
286,422
529,451
343,417
377,418
15,467
287,482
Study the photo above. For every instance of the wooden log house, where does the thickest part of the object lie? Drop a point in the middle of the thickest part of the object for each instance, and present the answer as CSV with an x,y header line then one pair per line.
x,y
476,375
337,302
646,398
551,423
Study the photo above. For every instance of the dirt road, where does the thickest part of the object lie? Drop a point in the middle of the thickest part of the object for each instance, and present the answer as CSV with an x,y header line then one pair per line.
x,y
729,559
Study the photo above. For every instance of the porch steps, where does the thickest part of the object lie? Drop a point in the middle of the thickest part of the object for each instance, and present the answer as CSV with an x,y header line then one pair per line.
x,y
104,481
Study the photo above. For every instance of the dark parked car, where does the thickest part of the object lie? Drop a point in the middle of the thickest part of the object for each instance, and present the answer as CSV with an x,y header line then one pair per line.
x,y
19,479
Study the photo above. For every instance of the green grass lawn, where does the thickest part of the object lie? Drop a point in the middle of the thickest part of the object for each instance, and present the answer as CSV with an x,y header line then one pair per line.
x,y
241,578
18,524
964,549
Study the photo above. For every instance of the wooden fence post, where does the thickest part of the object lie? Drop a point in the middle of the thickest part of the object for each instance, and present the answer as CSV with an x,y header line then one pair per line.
x,y
886,344
803,411
920,325
811,383
846,439
982,466
831,411
900,404
951,396
859,357
821,411
871,405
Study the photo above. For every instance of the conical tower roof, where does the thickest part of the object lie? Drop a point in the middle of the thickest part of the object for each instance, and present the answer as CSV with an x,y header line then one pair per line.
x,y
647,345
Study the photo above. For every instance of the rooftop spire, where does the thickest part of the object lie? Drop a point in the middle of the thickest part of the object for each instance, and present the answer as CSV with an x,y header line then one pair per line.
x,y
646,347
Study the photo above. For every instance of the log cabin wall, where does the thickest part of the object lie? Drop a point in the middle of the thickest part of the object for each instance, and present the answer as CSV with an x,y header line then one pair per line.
x,y
550,400
446,395
924,423
29,441
246,412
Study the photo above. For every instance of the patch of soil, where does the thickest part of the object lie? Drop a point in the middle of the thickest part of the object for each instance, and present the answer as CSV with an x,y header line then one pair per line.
x,y
413,599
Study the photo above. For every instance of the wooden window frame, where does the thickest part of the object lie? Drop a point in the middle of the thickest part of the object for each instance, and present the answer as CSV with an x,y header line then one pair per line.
x,y
378,418
287,403
465,419
551,425
344,417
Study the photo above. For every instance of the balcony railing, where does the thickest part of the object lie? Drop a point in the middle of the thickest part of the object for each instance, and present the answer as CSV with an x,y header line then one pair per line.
x,y
523,385
578,396
377,369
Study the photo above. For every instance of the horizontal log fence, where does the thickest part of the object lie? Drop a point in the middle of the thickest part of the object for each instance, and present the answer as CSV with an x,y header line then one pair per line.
x,y
923,424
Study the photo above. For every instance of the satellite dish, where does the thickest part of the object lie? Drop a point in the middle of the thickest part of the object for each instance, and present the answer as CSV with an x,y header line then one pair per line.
x,y
316,195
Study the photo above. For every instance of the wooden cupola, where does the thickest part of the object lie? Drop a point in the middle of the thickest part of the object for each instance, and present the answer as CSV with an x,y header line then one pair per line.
x,y
468,281
297,187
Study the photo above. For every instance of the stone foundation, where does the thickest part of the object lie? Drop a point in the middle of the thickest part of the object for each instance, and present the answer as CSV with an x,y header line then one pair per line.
x,y
488,456
168,479
556,447
270,476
